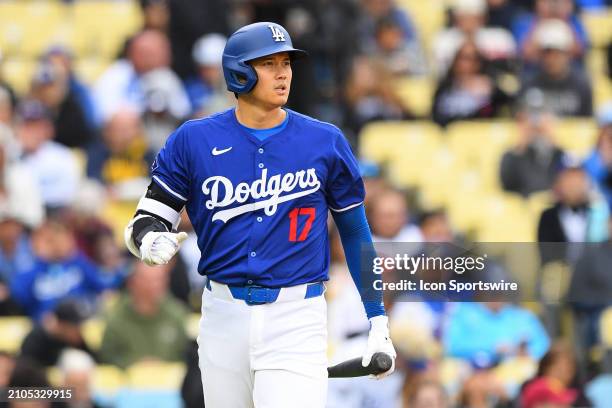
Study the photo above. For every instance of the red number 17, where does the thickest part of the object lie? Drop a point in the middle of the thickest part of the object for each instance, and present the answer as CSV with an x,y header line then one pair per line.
x,y
293,216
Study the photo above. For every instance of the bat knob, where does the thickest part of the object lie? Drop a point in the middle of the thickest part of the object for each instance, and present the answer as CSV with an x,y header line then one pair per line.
x,y
380,363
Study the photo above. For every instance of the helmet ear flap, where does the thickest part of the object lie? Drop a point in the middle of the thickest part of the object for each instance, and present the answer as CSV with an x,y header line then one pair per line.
x,y
242,78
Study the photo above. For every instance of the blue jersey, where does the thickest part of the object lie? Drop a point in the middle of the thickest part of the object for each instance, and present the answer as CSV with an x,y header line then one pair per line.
x,y
259,207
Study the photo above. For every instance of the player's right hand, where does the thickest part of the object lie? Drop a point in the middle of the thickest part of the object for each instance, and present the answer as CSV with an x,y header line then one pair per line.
x,y
158,248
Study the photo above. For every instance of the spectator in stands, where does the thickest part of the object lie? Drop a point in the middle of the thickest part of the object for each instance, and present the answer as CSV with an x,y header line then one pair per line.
x,y
7,364
532,165
389,216
207,91
428,394
190,20
435,226
510,331
483,389
191,389
4,86
123,83
121,161
28,374
20,209
20,197
52,165
566,89
590,290
15,254
502,13
609,52
373,180
526,27
468,17
155,14
62,59
599,163
60,330
6,107
552,386
147,323
50,85
571,218
467,92
60,271
371,95
401,56
373,11
77,369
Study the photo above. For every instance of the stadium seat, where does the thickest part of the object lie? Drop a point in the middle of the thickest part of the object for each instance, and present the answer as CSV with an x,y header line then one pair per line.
x,y
155,375
602,91
92,20
193,325
576,135
606,328
108,380
479,145
12,332
117,214
505,218
428,17
93,330
452,373
538,202
406,147
597,24
18,73
27,27
417,93
90,69
514,372
436,190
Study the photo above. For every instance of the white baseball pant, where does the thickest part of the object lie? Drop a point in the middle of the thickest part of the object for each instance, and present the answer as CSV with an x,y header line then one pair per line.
x,y
272,355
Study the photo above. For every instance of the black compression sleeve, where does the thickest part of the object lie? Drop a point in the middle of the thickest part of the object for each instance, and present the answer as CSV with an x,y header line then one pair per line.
x,y
144,225
154,222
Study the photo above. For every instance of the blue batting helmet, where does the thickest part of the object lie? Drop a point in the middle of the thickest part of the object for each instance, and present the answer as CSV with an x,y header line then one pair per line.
x,y
248,43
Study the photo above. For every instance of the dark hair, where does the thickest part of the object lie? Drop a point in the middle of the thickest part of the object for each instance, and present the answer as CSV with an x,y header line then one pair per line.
x,y
428,215
27,373
448,77
385,23
558,349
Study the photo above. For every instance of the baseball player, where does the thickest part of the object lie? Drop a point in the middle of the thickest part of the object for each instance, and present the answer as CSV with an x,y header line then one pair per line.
x,y
257,182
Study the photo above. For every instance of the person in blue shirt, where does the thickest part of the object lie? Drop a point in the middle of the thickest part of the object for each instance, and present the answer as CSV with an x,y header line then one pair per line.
x,y
257,182
60,271
508,331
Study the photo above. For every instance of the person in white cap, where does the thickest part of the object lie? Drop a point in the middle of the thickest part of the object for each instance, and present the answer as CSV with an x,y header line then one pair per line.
x,y
468,23
206,91
566,89
526,26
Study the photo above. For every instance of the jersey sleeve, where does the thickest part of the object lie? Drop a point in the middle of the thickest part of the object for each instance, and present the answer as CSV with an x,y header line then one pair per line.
x,y
345,188
170,170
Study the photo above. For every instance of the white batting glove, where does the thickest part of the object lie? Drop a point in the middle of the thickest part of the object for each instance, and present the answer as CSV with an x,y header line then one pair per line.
x,y
158,248
379,341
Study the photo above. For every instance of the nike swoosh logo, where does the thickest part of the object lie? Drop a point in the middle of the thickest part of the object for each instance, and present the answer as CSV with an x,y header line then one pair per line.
x,y
216,152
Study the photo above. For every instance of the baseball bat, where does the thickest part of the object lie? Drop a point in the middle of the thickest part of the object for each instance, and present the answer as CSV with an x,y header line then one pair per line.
x,y
380,363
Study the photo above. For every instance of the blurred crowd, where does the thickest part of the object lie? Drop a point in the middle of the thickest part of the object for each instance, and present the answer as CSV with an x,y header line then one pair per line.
x,y
75,157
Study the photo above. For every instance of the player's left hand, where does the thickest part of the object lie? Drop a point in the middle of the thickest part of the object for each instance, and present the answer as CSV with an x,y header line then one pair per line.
x,y
379,341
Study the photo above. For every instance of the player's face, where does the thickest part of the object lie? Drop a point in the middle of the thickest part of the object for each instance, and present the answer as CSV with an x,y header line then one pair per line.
x,y
273,79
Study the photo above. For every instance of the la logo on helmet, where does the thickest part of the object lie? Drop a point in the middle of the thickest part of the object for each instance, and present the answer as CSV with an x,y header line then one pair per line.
x,y
277,34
